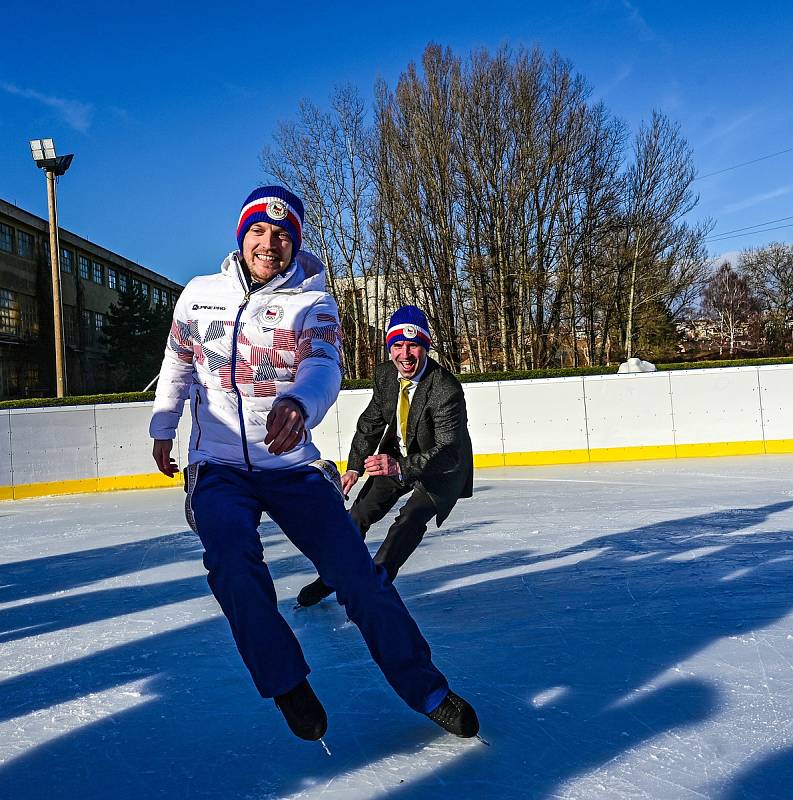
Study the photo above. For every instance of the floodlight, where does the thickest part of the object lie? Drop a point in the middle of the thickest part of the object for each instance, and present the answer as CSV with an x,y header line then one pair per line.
x,y
43,152
37,149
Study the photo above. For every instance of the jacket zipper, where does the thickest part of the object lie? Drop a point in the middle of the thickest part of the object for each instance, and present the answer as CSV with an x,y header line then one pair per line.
x,y
243,304
234,380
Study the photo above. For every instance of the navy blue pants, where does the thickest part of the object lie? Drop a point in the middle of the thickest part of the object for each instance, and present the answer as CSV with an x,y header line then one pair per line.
x,y
227,504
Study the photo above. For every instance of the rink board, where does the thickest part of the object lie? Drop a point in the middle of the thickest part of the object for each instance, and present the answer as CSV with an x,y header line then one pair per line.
x,y
677,414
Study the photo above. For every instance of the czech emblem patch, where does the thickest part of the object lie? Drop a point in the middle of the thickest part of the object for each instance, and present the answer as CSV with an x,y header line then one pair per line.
x,y
272,315
276,209
410,331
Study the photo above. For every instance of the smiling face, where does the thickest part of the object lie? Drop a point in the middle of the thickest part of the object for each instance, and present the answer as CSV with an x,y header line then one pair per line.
x,y
267,251
408,357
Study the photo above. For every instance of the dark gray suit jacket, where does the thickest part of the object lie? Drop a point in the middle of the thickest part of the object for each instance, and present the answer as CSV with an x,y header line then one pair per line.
x,y
439,454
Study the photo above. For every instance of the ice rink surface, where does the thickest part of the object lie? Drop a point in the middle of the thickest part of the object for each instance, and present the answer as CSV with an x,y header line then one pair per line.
x,y
623,630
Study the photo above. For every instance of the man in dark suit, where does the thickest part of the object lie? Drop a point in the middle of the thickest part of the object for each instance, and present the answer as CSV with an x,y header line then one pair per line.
x,y
412,437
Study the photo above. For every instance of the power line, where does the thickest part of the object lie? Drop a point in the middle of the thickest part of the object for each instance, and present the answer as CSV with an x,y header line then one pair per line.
x,y
738,235
749,227
743,164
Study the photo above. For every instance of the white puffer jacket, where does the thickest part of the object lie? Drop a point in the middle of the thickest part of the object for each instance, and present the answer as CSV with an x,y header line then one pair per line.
x,y
234,353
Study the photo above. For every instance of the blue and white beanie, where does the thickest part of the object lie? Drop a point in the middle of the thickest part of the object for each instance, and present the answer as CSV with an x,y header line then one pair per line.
x,y
276,205
408,324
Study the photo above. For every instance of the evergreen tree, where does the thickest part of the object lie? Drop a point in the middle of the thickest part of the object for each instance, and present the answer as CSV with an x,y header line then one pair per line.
x,y
135,334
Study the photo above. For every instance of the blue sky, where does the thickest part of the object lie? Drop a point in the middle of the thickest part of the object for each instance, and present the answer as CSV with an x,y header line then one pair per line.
x,y
166,106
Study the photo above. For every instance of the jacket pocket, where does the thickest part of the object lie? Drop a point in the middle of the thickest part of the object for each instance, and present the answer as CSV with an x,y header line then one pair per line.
x,y
196,420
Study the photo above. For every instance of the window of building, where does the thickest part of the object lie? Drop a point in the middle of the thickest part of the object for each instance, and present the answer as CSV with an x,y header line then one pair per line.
x,y
71,334
145,289
83,266
87,325
67,260
30,376
9,313
112,276
99,321
29,317
24,244
155,295
6,238
174,298
123,282
99,272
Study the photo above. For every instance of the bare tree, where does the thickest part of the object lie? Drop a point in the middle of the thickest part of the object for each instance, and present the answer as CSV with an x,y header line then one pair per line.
x,y
495,195
728,299
769,272
416,126
664,254
326,159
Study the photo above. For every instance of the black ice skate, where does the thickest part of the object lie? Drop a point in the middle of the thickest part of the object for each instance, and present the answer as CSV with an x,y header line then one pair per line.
x,y
456,716
303,712
313,592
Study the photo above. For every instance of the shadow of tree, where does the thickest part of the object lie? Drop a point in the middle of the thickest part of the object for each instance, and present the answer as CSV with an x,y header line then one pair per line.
x,y
767,780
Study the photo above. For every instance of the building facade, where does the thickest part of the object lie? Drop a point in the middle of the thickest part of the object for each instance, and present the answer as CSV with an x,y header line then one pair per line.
x,y
92,278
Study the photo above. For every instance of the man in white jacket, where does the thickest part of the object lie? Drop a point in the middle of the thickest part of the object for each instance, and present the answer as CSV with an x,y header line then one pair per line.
x,y
256,351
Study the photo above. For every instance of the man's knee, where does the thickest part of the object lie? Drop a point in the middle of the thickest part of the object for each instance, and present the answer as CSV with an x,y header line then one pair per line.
x,y
417,512
386,561
359,584
220,558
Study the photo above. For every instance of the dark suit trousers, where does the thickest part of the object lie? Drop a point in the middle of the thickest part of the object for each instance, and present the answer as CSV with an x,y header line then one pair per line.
x,y
377,497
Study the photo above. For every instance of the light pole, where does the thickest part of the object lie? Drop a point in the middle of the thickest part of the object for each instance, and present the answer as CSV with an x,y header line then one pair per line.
x,y
43,151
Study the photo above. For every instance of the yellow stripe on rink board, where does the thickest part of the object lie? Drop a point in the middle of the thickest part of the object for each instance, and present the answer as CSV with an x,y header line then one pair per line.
x,y
80,486
89,485
640,453
537,458
720,449
541,458
154,480
779,446
489,460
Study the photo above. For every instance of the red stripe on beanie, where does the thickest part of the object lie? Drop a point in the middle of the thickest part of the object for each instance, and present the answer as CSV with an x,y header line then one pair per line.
x,y
261,208
398,334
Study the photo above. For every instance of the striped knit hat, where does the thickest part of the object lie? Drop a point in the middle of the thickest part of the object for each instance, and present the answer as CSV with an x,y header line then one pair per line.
x,y
275,205
408,324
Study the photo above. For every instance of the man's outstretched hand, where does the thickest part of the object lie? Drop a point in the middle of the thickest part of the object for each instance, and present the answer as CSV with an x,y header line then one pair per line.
x,y
162,457
348,480
285,427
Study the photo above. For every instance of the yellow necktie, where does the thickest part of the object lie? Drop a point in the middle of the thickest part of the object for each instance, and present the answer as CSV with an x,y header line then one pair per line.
x,y
404,409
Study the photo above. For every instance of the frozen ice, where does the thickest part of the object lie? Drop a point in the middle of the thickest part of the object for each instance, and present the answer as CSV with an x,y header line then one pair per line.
x,y
623,630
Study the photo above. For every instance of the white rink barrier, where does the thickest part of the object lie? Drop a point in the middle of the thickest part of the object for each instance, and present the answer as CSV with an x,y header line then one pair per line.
x,y
677,414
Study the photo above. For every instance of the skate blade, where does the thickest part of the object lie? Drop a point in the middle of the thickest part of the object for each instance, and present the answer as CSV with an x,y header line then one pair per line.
x,y
484,741
327,749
